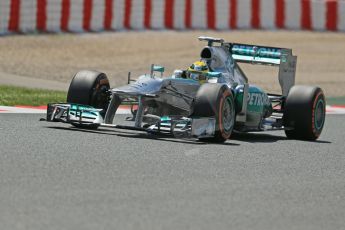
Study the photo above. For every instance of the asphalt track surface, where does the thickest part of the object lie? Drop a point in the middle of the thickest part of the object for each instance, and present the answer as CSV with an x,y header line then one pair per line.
x,y
55,177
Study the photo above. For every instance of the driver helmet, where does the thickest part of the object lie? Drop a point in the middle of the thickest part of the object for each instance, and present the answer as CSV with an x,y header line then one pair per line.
x,y
198,71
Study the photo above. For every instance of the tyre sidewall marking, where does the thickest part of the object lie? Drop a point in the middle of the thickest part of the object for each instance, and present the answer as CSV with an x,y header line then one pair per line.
x,y
315,131
220,114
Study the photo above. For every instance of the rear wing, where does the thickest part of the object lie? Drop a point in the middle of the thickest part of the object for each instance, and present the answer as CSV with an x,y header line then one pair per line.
x,y
257,54
263,55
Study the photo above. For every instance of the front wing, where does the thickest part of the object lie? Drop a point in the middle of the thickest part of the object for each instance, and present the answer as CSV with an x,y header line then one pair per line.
x,y
177,126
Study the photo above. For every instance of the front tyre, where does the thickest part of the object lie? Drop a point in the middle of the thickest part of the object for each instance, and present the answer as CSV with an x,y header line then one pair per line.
x,y
89,88
216,100
304,113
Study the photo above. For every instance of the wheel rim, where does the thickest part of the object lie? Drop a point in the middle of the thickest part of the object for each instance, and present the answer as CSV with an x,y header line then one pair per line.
x,y
319,114
228,115
100,98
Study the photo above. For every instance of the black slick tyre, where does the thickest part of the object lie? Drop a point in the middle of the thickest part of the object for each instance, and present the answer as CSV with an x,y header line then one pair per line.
x,y
89,88
304,113
216,100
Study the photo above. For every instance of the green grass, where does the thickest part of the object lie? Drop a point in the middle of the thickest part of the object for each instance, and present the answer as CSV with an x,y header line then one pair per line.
x,y
12,95
335,100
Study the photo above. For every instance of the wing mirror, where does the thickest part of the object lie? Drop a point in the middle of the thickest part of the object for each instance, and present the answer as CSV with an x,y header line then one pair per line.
x,y
157,68
214,74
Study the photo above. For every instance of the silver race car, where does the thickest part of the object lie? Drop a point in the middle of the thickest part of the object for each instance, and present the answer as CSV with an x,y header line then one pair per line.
x,y
208,101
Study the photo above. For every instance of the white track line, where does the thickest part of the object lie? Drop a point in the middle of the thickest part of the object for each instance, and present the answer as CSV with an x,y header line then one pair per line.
x,y
10,109
335,110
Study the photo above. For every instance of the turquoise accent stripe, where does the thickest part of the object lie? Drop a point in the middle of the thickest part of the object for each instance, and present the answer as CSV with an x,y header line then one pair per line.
x,y
256,59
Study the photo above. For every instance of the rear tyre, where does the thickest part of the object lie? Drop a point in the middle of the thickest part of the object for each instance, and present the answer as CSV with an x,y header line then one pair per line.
x,y
215,100
304,113
89,88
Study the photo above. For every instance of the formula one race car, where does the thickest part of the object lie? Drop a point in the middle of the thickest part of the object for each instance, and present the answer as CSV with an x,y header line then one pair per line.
x,y
208,101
